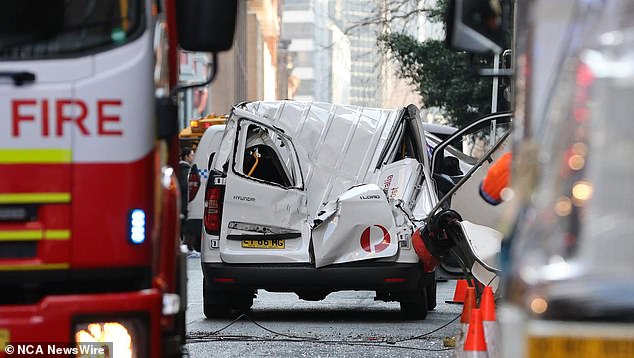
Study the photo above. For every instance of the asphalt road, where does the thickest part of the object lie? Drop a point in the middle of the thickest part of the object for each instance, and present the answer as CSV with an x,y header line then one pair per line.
x,y
345,324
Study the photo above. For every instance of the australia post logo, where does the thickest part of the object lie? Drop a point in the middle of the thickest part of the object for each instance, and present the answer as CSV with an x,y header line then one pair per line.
x,y
375,239
57,117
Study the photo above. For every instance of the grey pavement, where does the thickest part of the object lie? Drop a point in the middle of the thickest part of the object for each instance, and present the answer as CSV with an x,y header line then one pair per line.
x,y
345,324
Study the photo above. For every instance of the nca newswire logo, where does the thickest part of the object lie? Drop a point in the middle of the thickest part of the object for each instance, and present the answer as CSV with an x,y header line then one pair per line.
x,y
58,349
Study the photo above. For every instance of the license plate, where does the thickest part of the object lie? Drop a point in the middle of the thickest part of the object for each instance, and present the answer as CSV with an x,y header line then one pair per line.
x,y
263,244
4,338
580,347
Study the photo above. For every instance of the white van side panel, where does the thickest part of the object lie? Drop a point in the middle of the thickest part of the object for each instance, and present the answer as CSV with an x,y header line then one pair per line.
x,y
209,143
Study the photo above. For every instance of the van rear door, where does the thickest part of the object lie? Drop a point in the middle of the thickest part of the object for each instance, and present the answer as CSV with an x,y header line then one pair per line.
x,y
264,209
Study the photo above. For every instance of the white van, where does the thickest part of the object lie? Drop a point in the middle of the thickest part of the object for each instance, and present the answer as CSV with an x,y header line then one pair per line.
x,y
197,179
314,198
209,144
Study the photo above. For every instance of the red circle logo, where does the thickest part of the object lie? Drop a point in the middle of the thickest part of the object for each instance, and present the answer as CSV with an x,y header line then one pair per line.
x,y
367,238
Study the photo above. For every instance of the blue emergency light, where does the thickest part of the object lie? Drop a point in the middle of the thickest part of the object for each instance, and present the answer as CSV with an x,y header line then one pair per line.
x,y
137,226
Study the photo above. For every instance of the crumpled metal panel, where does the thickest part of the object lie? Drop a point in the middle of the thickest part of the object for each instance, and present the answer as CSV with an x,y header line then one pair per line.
x,y
346,233
338,146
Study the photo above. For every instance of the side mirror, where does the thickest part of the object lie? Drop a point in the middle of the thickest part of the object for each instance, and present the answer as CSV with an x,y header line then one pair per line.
x,y
475,26
206,25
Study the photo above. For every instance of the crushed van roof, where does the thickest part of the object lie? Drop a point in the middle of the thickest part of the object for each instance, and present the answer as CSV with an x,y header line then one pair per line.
x,y
338,145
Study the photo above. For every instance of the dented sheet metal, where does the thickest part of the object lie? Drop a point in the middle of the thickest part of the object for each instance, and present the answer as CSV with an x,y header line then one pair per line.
x,y
352,199
338,146
346,233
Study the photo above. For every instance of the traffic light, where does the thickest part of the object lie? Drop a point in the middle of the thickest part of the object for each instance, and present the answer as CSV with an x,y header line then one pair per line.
x,y
475,26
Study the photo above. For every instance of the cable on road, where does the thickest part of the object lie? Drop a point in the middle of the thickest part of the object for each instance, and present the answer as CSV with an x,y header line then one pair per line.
x,y
244,316
281,334
203,337
246,338
430,332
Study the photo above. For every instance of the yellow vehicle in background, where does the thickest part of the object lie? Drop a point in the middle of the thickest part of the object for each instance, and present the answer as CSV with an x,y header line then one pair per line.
x,y
190,136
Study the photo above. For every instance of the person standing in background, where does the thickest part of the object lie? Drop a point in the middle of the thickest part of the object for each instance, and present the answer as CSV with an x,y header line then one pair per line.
x,y
185,164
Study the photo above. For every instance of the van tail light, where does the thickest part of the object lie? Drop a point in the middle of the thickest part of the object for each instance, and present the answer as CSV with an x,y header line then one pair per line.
x,y
213,208
193,182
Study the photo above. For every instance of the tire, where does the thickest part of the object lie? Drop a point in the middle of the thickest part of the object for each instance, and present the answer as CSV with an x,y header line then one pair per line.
x,y
431,295
217,310
220,304
416,308
242,302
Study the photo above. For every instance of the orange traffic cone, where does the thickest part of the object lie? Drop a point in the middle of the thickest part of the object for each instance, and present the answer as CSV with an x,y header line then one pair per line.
x,y
459,293
487,306
469,305
475,345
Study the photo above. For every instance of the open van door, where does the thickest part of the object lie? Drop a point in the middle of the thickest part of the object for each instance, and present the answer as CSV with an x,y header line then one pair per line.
x,y
264,208
484,140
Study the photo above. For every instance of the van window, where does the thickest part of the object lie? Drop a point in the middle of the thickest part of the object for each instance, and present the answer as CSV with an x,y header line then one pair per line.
x,y
477,142
266,155
401,145
56,28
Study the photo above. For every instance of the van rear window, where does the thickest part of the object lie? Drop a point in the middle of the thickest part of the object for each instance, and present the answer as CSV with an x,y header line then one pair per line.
x,y
268,157
35,29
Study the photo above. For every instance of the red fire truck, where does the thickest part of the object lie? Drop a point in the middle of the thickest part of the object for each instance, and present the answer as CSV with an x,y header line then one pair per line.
x,y
88,200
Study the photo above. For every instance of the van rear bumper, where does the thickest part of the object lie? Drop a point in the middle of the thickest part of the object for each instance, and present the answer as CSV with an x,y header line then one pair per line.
x,y
375,276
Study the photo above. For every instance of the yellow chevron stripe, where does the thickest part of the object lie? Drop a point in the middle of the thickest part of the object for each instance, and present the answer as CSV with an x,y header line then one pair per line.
x,y
40,267
34,198
56,234
35,156
21,235
34,235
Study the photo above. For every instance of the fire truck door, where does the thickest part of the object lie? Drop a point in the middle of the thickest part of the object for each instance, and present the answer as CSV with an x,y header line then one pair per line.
x,y
40,115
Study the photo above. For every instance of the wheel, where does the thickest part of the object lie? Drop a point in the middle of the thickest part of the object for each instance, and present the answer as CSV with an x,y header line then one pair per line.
x,y
242,302
414,310
431,295
415,307
214,305
220,304
217,310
